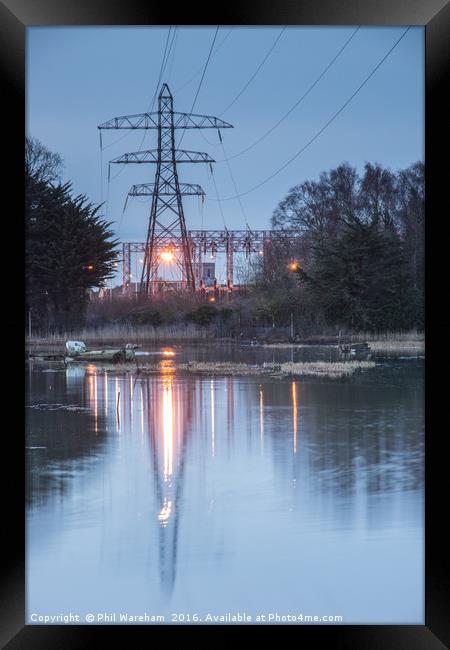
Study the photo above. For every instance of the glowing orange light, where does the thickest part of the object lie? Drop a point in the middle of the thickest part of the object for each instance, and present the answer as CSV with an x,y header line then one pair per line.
x,y
168,422
294,266
212,419
167,256
165,512
261,414
168,353
212,299
90,267
294,413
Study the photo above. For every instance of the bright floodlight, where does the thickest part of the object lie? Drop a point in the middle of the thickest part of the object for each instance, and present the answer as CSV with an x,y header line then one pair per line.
x,y
167,256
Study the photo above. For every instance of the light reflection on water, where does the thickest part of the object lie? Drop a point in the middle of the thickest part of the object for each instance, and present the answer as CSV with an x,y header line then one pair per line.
x,y
200,494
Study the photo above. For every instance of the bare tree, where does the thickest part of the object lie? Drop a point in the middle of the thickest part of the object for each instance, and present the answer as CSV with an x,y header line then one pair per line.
x,y
41,164
412,217
378,196
320,207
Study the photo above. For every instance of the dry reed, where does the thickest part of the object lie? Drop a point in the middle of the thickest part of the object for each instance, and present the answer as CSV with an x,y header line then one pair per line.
x,y
120,335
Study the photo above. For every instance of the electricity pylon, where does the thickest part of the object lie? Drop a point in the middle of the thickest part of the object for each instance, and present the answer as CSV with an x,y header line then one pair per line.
x,y
166,191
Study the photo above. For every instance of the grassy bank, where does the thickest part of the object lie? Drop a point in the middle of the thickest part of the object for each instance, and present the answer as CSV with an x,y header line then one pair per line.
x,y
229,369
146,335
398,346
376,346
314,368
412,341
325,369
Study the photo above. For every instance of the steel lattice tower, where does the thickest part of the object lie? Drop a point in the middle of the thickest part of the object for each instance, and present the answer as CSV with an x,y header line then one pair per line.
x,y
167,226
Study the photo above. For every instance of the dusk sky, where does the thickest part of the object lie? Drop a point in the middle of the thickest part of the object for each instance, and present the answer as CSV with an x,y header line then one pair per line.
x,y
230,436
77,78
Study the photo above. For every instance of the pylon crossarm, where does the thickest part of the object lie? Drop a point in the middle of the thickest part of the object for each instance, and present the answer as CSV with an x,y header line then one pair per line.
x,y
148,189
150,121
152,156
139,121
192,121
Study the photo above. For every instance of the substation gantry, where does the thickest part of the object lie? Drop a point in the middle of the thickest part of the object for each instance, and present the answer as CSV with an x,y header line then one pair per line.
x,y
266,243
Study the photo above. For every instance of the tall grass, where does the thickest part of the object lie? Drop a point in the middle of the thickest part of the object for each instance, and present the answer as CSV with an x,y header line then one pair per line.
x,y
325,369
409,336
120,334
412,341
335,369
397,346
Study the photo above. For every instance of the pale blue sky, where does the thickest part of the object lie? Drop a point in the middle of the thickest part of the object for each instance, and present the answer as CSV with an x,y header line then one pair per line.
x,y
79,77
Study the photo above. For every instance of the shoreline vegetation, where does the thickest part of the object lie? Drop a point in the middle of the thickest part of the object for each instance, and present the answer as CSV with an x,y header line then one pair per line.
x,y
332,369
335,369
376,346
145,335
120,335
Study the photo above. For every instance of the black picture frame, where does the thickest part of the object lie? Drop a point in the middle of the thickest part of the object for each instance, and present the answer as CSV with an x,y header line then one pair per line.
x,y
15,17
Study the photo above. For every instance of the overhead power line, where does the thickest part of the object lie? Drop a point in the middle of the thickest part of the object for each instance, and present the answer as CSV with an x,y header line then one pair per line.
x,y
204,69
150,108
191,79
299,101
169,73
246,85
201,80
238,196
324,127
164,61
218,199
161,70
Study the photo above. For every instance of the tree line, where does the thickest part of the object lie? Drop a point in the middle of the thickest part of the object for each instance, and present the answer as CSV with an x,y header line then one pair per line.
x,y
357,264
359,260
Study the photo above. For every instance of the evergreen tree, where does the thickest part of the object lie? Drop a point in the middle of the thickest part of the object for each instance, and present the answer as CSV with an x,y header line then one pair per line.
x,y
69,249
361,279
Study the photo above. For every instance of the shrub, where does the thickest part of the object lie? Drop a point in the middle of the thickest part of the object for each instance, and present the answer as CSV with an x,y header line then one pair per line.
x,y
204,315
141,316
225,313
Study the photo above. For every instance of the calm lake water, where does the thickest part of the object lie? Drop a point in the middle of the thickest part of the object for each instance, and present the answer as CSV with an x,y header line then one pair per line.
x,y
190,495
